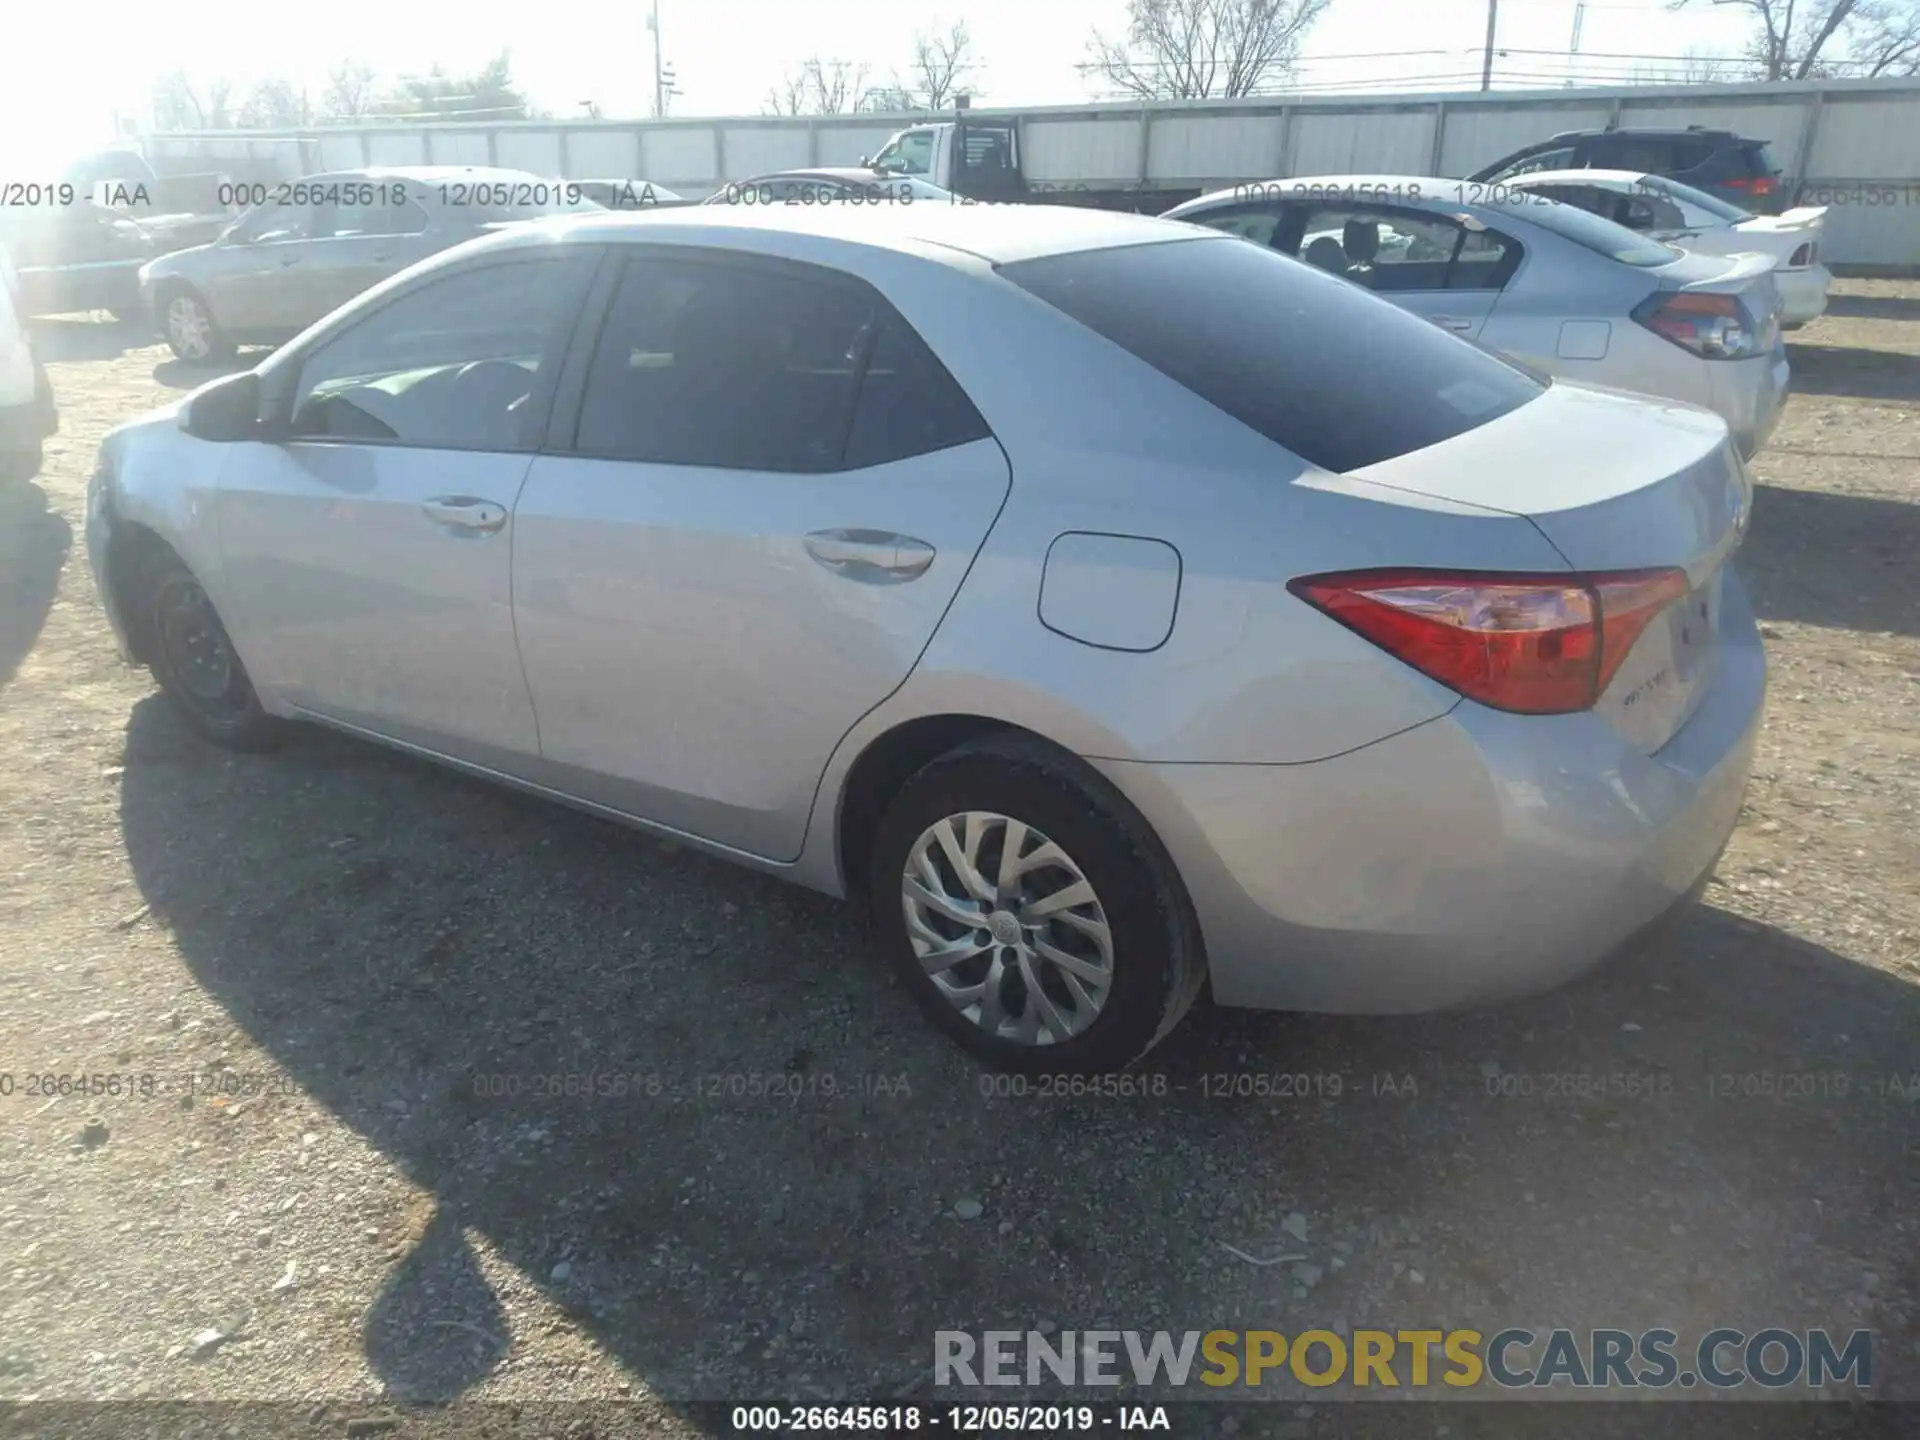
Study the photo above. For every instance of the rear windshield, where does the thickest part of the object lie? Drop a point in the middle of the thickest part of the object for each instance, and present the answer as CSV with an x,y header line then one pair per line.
x,y
1312,361
1700,199
1587,229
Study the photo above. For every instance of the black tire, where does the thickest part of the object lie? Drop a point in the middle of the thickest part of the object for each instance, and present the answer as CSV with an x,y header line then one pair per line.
x,y
1158,962
217,699
218,348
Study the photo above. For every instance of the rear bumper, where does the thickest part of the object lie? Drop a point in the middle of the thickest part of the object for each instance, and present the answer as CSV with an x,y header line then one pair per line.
x,y
1750,394
1471,858
1803,294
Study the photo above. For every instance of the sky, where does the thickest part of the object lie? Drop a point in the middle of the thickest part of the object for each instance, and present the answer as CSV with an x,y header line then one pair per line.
x,y
73,67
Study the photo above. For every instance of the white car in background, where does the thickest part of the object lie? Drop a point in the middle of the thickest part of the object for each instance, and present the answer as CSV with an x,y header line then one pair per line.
x,y
27,414
1678,214
1552,285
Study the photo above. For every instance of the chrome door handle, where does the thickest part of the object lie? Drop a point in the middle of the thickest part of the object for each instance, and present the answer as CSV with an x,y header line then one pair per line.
x,y
875,557
464,512
1453,322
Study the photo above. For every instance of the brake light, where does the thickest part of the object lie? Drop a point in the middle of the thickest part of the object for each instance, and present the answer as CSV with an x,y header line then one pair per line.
x,y
1530,644
1755,184
1714,327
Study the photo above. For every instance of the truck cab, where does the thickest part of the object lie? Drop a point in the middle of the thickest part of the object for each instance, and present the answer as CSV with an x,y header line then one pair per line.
x,y
977,159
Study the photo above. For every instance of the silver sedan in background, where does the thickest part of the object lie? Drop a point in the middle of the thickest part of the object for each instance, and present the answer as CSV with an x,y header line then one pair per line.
x,y
1110,607
1564,290
307,246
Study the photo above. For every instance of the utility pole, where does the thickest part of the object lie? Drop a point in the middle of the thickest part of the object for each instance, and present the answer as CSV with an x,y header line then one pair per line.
x,y
1573,45
659,75
1486,69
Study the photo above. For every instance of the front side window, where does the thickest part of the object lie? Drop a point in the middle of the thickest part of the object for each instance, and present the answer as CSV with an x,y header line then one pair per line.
x,y
1393,250
911,154
455,364
1339,377
270,222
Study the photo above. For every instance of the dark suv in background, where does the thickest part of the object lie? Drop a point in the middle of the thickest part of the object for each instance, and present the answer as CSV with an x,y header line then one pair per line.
x,y
1738,170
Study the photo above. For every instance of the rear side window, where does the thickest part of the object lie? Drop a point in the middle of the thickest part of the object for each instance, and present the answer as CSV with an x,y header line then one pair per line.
x,y
1340,377
1558,158
736,367
908,403
1589,231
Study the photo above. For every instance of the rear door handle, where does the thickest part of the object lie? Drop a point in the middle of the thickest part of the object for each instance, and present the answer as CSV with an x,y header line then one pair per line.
x,y
875,557
1453,322
465,513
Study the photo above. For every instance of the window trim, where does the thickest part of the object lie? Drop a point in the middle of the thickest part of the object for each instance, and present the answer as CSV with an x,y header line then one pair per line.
x,y
281,389
569,402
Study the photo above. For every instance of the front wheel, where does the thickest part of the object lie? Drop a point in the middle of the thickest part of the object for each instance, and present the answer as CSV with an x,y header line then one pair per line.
x,y
1032,915
190,331
196,664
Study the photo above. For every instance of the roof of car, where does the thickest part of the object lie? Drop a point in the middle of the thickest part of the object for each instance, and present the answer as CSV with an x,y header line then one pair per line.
x,y
997,234
1604,178
846,174
1650,132
423,174
1423,191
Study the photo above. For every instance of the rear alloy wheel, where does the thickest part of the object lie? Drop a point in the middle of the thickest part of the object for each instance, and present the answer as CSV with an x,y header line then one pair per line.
x,y
1035,920
197,666
191,333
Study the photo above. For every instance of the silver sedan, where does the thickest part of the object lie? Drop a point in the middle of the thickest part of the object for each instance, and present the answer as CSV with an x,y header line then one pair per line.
x,y
1109,607
1562,289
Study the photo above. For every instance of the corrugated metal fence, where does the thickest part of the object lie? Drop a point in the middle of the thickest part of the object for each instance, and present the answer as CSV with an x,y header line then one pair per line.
x,y
1856,144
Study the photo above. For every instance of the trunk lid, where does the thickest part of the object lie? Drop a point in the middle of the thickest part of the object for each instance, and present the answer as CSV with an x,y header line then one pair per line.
x,y
1615,482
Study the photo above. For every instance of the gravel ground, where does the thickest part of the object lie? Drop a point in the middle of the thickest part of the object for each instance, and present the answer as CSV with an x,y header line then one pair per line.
x,y
332,980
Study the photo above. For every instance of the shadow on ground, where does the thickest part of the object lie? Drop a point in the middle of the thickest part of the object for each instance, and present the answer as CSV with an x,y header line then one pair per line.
x,y
1854,372
419,950
1874,307
34,542
1822,557
64,338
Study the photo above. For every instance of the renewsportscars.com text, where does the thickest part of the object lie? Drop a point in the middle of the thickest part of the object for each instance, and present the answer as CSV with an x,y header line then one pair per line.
x,y
1512,1358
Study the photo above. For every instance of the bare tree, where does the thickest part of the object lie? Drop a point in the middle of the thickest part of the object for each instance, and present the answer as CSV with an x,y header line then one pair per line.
x,y
178,105
1695,69
276,105
350,92
1194,49
1793,36
941,66
1887,41
820,87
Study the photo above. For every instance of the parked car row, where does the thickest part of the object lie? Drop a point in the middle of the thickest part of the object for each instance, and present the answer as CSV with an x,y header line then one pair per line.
x,y
1110,606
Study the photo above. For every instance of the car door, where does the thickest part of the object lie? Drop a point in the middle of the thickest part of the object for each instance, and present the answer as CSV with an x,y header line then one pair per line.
x,y
1434,265
769,497
368,553
358,244
254,280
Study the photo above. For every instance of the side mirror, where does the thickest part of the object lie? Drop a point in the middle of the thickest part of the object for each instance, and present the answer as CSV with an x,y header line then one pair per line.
x,y
226,410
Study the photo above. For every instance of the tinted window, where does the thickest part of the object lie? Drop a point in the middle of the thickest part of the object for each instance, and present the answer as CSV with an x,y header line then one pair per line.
x,y
1648,154
1558,158
1398,250
1340,377
454,365
1591,232
1256,225
908,404
1699,199
736,366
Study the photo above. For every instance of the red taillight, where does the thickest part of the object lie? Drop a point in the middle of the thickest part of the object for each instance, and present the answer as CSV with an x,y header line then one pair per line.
x,y
1711,325
1532,644
1755,184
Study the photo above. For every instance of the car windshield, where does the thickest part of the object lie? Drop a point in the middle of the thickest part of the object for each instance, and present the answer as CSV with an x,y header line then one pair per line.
x,y
1700,199
1339,376
1587,230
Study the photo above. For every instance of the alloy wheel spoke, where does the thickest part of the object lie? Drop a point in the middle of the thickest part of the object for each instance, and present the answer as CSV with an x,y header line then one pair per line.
x,y
1065,898
1086,970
